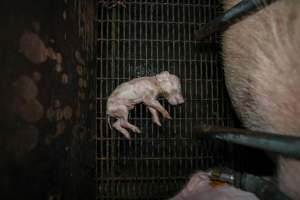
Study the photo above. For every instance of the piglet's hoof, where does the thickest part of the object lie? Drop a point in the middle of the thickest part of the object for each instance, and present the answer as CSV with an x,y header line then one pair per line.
x,y
167,116
136,130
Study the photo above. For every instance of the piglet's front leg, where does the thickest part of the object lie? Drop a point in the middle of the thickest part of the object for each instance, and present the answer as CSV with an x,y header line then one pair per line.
x,y
153,103
155,117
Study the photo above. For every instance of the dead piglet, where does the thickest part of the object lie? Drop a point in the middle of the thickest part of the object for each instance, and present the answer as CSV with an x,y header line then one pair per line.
x,y
143,90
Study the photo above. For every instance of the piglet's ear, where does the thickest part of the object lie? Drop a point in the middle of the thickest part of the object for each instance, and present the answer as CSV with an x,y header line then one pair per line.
x,y
163,76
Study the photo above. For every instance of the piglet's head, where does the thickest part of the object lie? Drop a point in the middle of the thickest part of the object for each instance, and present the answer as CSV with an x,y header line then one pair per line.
x,y
171,87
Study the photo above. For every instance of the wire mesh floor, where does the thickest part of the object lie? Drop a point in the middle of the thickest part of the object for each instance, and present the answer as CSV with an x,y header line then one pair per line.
x,y
143,38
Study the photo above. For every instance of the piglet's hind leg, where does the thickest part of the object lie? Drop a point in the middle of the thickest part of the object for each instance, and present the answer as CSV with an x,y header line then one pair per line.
x,y
126,124
117,125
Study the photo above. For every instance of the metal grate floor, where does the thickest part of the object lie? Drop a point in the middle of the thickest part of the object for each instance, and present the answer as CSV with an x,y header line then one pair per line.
x,y
141,39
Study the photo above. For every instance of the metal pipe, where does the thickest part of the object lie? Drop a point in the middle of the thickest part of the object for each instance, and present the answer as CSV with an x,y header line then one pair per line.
x,y
286,145
261,187
221,23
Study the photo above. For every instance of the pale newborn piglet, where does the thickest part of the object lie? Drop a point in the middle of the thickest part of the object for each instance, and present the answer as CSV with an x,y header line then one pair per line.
x,y
143,90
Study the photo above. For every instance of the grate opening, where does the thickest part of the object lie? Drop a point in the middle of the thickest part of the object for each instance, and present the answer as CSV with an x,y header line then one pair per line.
x,y
142,39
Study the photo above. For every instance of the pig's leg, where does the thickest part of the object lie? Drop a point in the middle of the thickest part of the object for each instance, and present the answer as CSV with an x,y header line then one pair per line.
x,y
156,105
122,114
126,124
117,126
155,117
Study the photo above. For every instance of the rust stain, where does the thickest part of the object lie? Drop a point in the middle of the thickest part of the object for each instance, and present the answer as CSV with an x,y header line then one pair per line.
x,y
65,78
216,183
25,87
80,82
59,58
29,111
59,115
51,53
33,48
60,128
24,102
79,70
86,15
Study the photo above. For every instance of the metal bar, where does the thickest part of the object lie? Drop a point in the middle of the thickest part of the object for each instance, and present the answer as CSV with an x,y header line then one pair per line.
x,y
221,23
286,145
263,188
